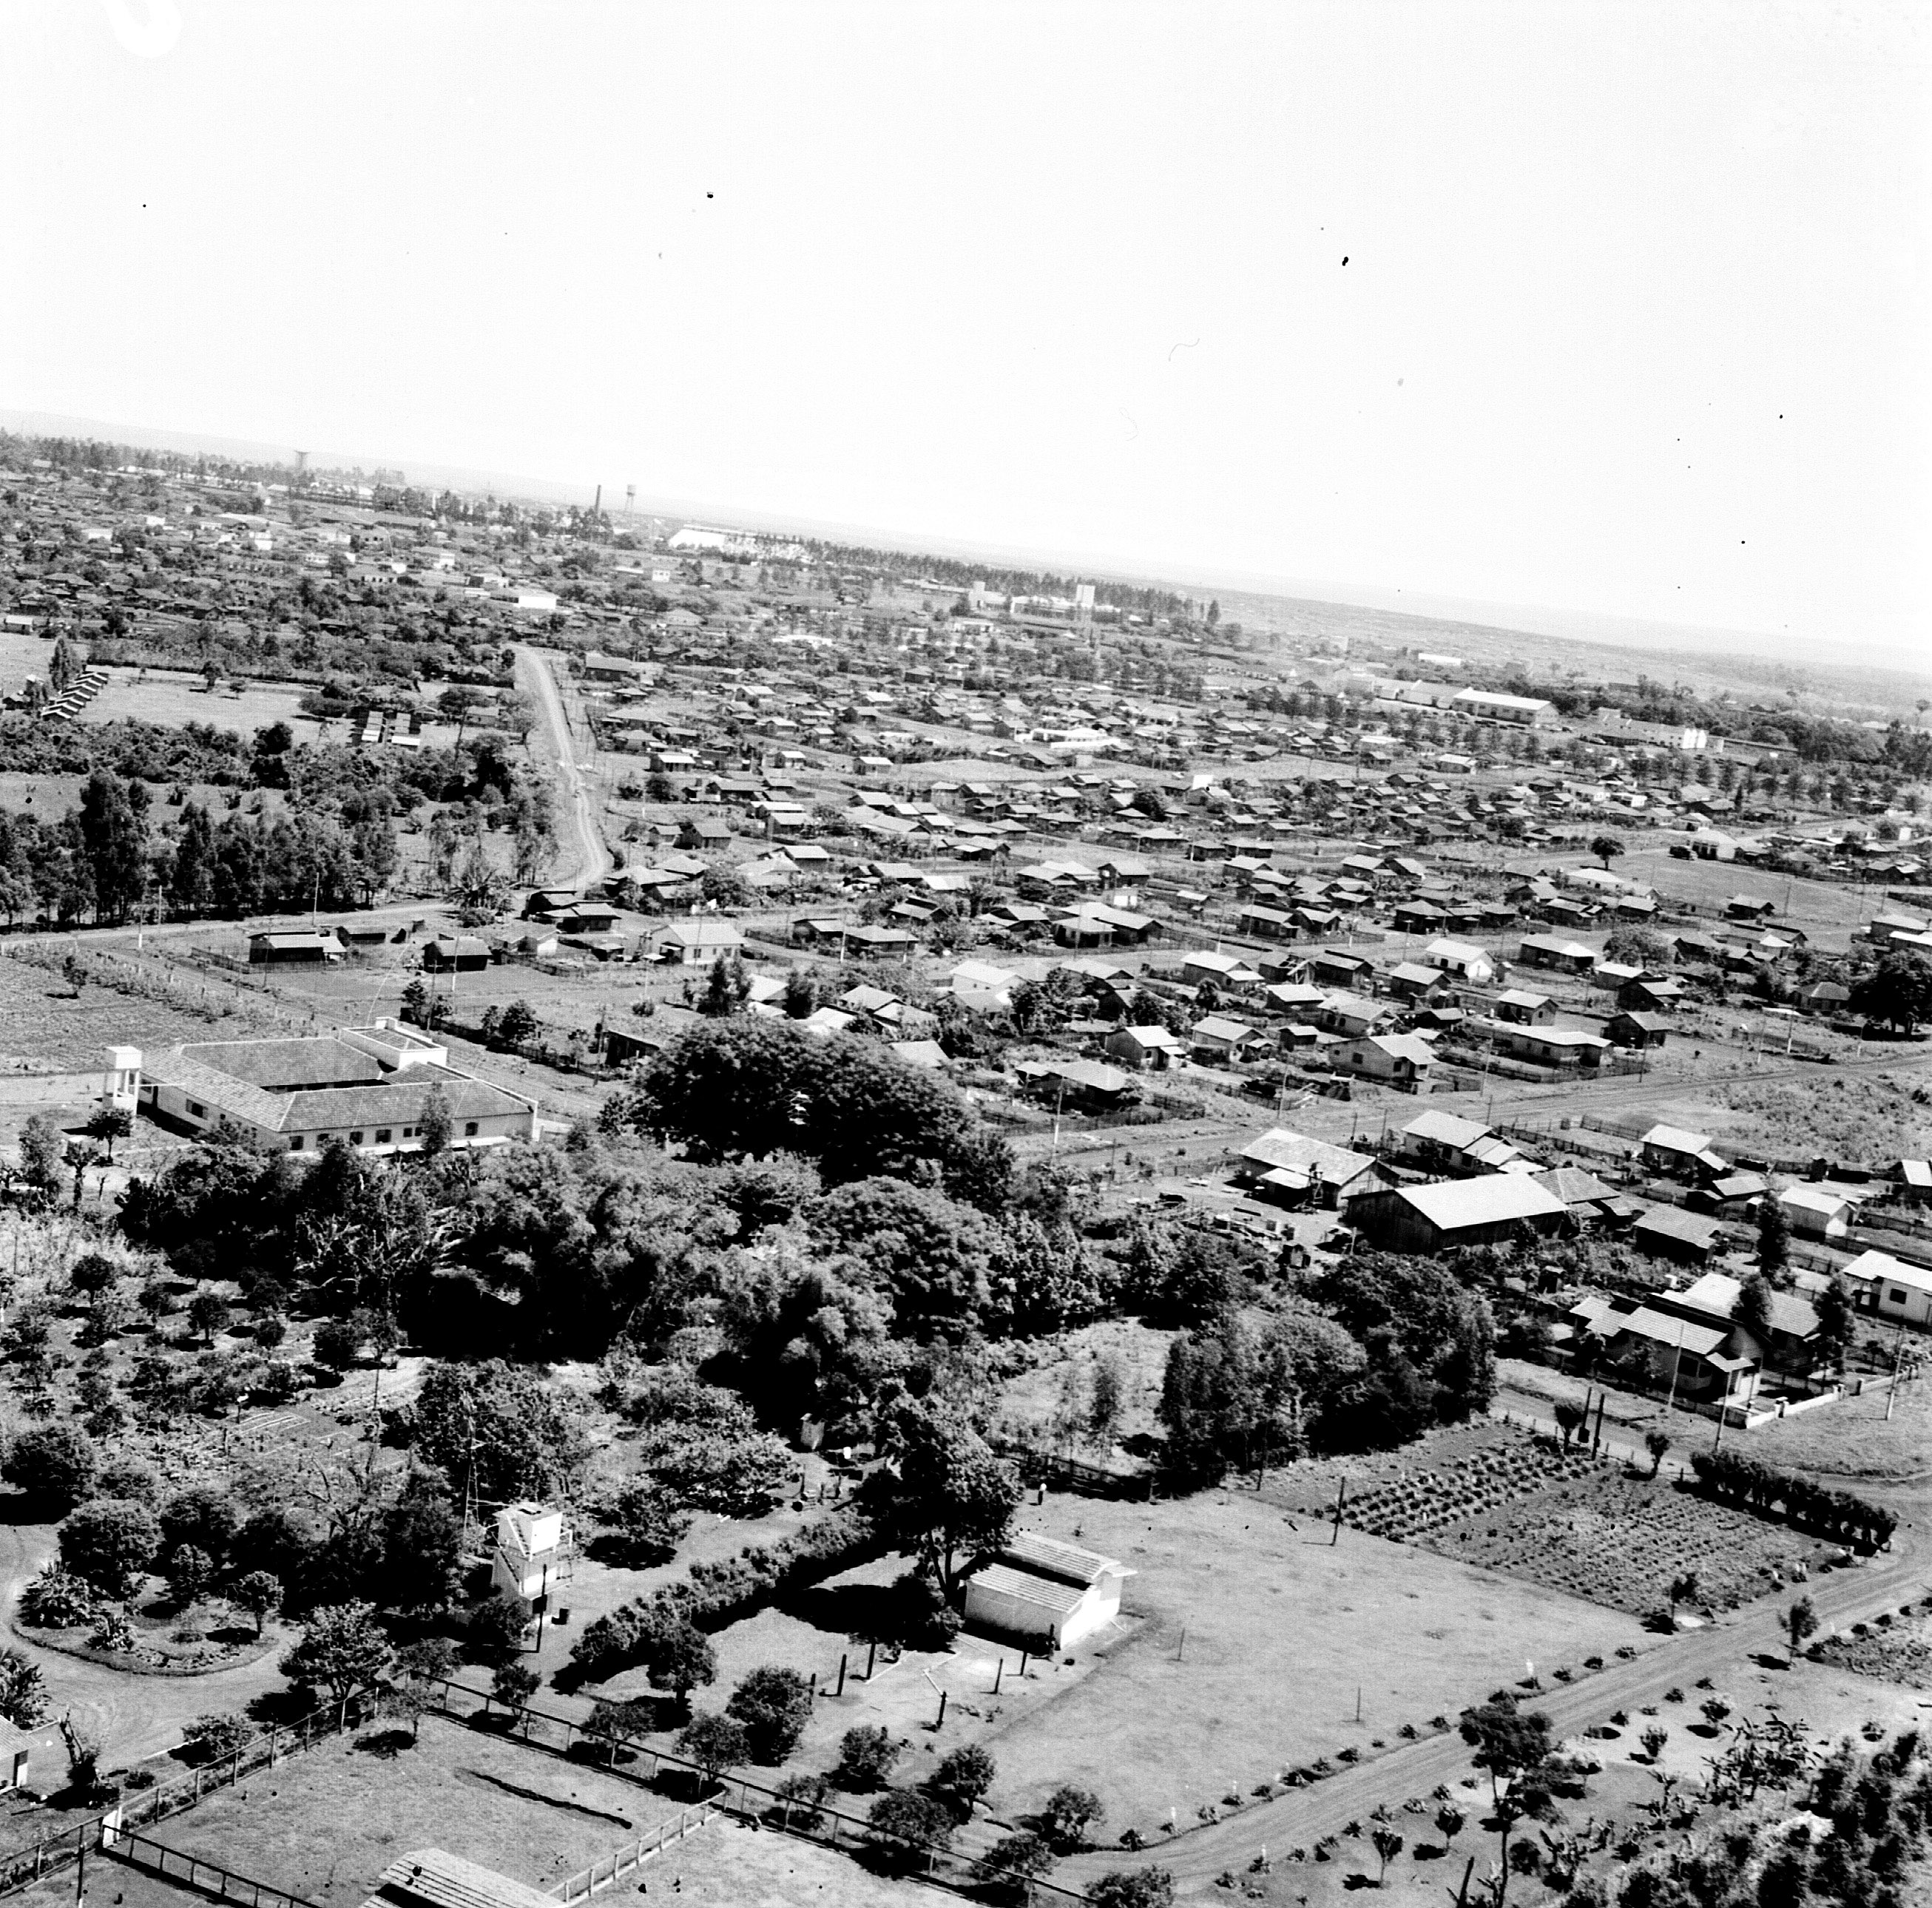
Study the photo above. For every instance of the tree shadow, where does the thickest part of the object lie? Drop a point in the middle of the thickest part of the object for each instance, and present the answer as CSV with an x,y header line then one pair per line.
x,y
387,1744
865,1612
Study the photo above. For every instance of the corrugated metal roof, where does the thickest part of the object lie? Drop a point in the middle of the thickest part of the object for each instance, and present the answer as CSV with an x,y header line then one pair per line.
x,y
1027,1549
447,1881
1044,1593
1455,1204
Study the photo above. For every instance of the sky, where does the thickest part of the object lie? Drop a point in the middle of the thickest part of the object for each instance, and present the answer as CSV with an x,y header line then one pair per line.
x,y
1620,310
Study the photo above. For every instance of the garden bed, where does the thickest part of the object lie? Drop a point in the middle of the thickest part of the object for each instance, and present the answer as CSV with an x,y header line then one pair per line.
x,y
1514,1501
1899,1651
158,1650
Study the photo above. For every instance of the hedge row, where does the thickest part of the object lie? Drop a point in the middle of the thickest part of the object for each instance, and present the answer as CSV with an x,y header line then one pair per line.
x,y
715,1594
1764,1489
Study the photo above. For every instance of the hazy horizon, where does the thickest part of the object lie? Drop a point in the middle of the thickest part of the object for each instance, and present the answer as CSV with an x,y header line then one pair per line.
x,y
1579,316
1570,624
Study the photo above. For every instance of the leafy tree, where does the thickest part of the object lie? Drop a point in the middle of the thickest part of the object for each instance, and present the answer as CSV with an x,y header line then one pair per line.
x,y
1635,946
929,1254
107,1124
773,1705
1657,1443
1506,1742
343,1650
1024,1856
496,1428
1835,1322
90,1275
1898,990
613,1724
514,1684
962,1778
1752,1313
866,1754
189,1572
435,1125
202,1515
1133,1887
212,1738
1450,1822
905,1816
1801,1621
495,1628
110,1542
746,1087
207,1313
422,1546
258,1592
23,1694
54,1464
941,1494
714,1744
43,1158
1069,1813
1773,1237
679,1657
518,1025
1605,847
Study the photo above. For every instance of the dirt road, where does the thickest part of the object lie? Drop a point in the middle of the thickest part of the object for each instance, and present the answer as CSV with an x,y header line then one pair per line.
x,y
582,858
131,1716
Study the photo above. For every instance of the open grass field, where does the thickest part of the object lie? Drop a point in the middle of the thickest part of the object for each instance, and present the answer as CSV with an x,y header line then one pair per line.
x,y
490,1801
1249,1641
175,698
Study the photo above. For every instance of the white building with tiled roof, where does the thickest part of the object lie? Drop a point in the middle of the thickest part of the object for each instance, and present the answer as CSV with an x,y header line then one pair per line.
x,y
368,1086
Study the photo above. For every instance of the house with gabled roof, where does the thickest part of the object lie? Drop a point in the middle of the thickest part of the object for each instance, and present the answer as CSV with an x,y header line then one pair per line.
x,y
1051,1594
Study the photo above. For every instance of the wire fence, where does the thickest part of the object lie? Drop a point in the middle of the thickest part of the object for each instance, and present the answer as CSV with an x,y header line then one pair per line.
x,y
808,1817
209,1877
601,1875
22,1868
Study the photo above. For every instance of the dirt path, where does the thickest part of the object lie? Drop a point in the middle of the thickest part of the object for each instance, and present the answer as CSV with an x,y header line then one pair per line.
x,y
131,1716
1302,1816
582,857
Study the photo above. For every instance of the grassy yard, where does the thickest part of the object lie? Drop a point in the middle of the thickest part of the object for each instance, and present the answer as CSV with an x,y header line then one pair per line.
x,y
1250,1643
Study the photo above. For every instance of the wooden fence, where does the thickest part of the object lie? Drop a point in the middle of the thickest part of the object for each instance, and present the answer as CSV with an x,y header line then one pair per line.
x,y
22,1868
733,1794
192,1871
601,1875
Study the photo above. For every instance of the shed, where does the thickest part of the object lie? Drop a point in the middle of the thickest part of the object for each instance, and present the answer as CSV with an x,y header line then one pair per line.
x,y
456,954
1881,1283
1051,1593
1669,1232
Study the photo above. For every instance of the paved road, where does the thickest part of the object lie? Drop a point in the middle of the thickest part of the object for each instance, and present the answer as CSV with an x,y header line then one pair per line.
x,y
583,857
1723,1650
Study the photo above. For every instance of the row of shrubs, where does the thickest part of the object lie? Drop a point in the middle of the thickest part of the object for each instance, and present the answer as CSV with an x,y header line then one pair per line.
x,y
713,1595
1764,1489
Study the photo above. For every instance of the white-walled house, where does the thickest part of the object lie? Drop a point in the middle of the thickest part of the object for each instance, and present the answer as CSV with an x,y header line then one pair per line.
x,y
369,1087
1048,1594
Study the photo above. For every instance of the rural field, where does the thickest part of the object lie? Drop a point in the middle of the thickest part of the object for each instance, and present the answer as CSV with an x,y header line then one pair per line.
x,y
1249,1643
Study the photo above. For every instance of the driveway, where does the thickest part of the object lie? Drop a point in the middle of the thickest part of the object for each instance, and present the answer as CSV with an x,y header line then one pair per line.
x,y
131,1716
